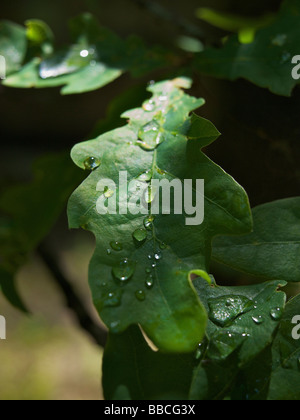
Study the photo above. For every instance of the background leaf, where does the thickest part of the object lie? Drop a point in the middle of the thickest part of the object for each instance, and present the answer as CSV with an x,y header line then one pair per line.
x,y
267,61
275,239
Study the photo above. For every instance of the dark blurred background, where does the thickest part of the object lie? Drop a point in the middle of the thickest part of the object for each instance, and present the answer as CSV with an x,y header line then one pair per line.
x,y
259,147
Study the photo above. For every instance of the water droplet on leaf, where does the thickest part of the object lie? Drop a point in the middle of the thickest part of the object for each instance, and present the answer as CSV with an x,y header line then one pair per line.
x,y
276,314
148,222
226,309
116,246
158,256
108,193
140,295
124,270
140,235
146,176
149,106
258,320
151,135
149,282
92,163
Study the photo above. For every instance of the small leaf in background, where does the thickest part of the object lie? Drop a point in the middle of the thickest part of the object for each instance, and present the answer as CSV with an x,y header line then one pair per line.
x,y
153,278
267,61
275,239
96,58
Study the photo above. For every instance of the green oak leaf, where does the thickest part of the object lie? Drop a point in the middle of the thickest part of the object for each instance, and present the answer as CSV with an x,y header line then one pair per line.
x,y
140,272
96,58
28,212
253,314
267,61
13,45
272,250
126,373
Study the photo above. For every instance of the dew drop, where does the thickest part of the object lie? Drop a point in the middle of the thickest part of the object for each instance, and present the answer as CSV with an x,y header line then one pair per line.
x,y
276,314
149,106
148,270
124,270
116,246
146,176
108,192
140,295
151,135
258,320
148,222
108,252
226,309
149,282
140,235
92,163
158,256
84,53
150,194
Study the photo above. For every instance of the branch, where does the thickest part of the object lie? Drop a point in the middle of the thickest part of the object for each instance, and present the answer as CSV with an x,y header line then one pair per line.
x,y
166,14
73,301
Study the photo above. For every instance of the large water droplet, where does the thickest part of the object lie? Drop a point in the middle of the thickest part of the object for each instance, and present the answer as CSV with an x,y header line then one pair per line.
x,y
146,176
150,194
108,192
124,270
149,282
151,135
140,295
276,314
92,163
258,320
226,309
158,256
116,246
140,235
148,222
149,106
